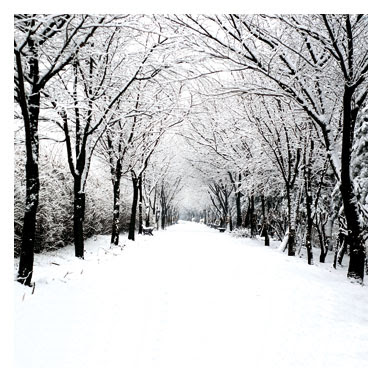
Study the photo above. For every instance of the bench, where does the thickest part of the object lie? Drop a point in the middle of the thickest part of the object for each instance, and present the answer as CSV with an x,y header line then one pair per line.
x,y
147,230
217,227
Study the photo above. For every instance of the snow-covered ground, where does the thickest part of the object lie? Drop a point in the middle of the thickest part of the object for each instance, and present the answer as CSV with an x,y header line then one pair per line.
x,y
190,304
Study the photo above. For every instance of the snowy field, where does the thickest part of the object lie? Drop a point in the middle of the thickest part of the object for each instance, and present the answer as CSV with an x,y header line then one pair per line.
x,y
191,304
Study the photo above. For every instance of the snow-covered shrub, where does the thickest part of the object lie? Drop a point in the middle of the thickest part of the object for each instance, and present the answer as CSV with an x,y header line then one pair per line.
x,y
359,163
54,226
241,232
18,196
98,207
54,216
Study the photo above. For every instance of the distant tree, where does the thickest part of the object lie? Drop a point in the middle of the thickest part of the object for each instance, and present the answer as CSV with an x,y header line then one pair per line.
x,y
152,131
95,86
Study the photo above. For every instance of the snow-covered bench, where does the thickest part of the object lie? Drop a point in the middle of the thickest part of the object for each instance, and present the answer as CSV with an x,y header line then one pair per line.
x,y
221,229
147,230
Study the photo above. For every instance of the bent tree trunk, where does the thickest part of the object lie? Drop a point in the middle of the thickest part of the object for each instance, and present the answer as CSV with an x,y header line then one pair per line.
x,y
78,218
321,220
132,224
116,205
355,235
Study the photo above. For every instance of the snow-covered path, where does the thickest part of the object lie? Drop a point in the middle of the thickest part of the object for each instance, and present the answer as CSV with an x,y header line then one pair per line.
x,y
189,302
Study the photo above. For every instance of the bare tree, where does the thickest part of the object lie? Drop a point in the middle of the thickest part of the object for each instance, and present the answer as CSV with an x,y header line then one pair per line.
x,y
44,45
320,62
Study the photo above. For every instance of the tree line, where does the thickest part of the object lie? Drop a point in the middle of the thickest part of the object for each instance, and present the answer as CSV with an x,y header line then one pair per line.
x,y
98,84
292,136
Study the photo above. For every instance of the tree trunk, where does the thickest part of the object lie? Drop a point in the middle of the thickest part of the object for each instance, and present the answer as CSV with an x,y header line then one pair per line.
x,y
239,211
247,217
291,244
163,205
341,248
78,218
132,224
30,109
147,220
307,172
252,217
140,217
226,219
309,226
163,215
116,205
321,236
29,225
157,219
329,229
355,237
291,226
265,225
